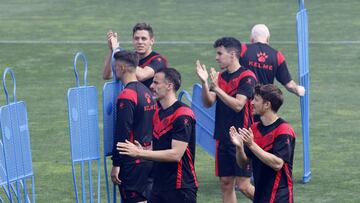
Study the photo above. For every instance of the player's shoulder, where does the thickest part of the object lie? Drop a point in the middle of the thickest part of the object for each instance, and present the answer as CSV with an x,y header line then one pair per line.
x,y
183,109
244,72
129,93
156,55
285,128
157,58
244,49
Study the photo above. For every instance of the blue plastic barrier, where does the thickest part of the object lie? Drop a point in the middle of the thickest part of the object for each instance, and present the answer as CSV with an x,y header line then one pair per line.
x,y
205,120
16,162
303,60
84,133
111,91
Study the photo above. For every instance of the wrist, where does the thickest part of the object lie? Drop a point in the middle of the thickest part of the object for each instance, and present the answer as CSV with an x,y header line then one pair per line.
x,y
239,148
251,145
138,153
115,48
214,88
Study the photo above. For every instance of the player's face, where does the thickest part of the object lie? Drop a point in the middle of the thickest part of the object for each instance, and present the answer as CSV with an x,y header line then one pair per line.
x,y
160,86
223,57
119,69
142,42
258,105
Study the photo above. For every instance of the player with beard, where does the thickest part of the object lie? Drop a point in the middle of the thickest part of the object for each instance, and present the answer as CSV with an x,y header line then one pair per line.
x,y
173,143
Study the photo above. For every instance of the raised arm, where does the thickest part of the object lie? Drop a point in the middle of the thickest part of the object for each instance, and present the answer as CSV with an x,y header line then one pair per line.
x,y
112,45
208,97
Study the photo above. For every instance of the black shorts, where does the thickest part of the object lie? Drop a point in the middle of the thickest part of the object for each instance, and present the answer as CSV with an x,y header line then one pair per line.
x,y
225,162
128,196
135,181
133,196
184,195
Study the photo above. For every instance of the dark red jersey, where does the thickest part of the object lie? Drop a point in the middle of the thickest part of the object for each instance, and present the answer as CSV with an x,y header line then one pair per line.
x,y
278,139
154,61
266,62
241,82
174,123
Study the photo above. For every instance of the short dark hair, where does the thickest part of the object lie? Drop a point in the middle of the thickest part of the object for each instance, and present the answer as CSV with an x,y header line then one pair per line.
x,y
129,57
272,94
143,26
230,44
172,75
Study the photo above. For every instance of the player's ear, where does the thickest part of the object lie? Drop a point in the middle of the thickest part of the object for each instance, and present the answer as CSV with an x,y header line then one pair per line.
x,y
267,104
234,54
252,40
171,86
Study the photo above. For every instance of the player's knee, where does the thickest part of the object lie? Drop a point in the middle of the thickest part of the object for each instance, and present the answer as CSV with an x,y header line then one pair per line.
x,y
245,187
226,184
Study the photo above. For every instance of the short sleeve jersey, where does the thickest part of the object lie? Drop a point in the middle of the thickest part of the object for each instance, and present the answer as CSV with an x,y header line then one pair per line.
x,y
240,82
278,139
177,122
135,108
266,62
155,61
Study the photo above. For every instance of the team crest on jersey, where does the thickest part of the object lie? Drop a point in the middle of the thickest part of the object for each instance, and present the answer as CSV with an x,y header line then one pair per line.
x,y
262,57
121,105
148,98
186,121
159,59
233,84
165,121
248,81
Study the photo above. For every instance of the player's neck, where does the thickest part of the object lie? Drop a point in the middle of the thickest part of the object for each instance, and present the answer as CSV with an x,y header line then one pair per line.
x,y
168,101
129,77
262,41
233,67
269,118
147,53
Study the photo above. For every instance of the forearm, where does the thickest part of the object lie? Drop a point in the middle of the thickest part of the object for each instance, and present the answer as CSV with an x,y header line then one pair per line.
x,y
241,158
207,96
292,87
145,73
169,155
107,72
267,158
230,101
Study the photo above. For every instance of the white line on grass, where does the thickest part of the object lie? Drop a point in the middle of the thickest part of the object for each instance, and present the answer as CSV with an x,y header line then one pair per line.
x,y
158,42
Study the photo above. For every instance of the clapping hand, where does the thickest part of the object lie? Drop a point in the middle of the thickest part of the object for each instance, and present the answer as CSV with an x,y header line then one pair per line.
x,y
235,137
214,77
247,136
201,72
112,40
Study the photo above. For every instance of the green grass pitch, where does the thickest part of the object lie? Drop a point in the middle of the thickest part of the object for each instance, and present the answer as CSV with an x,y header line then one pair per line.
x,y
39,38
